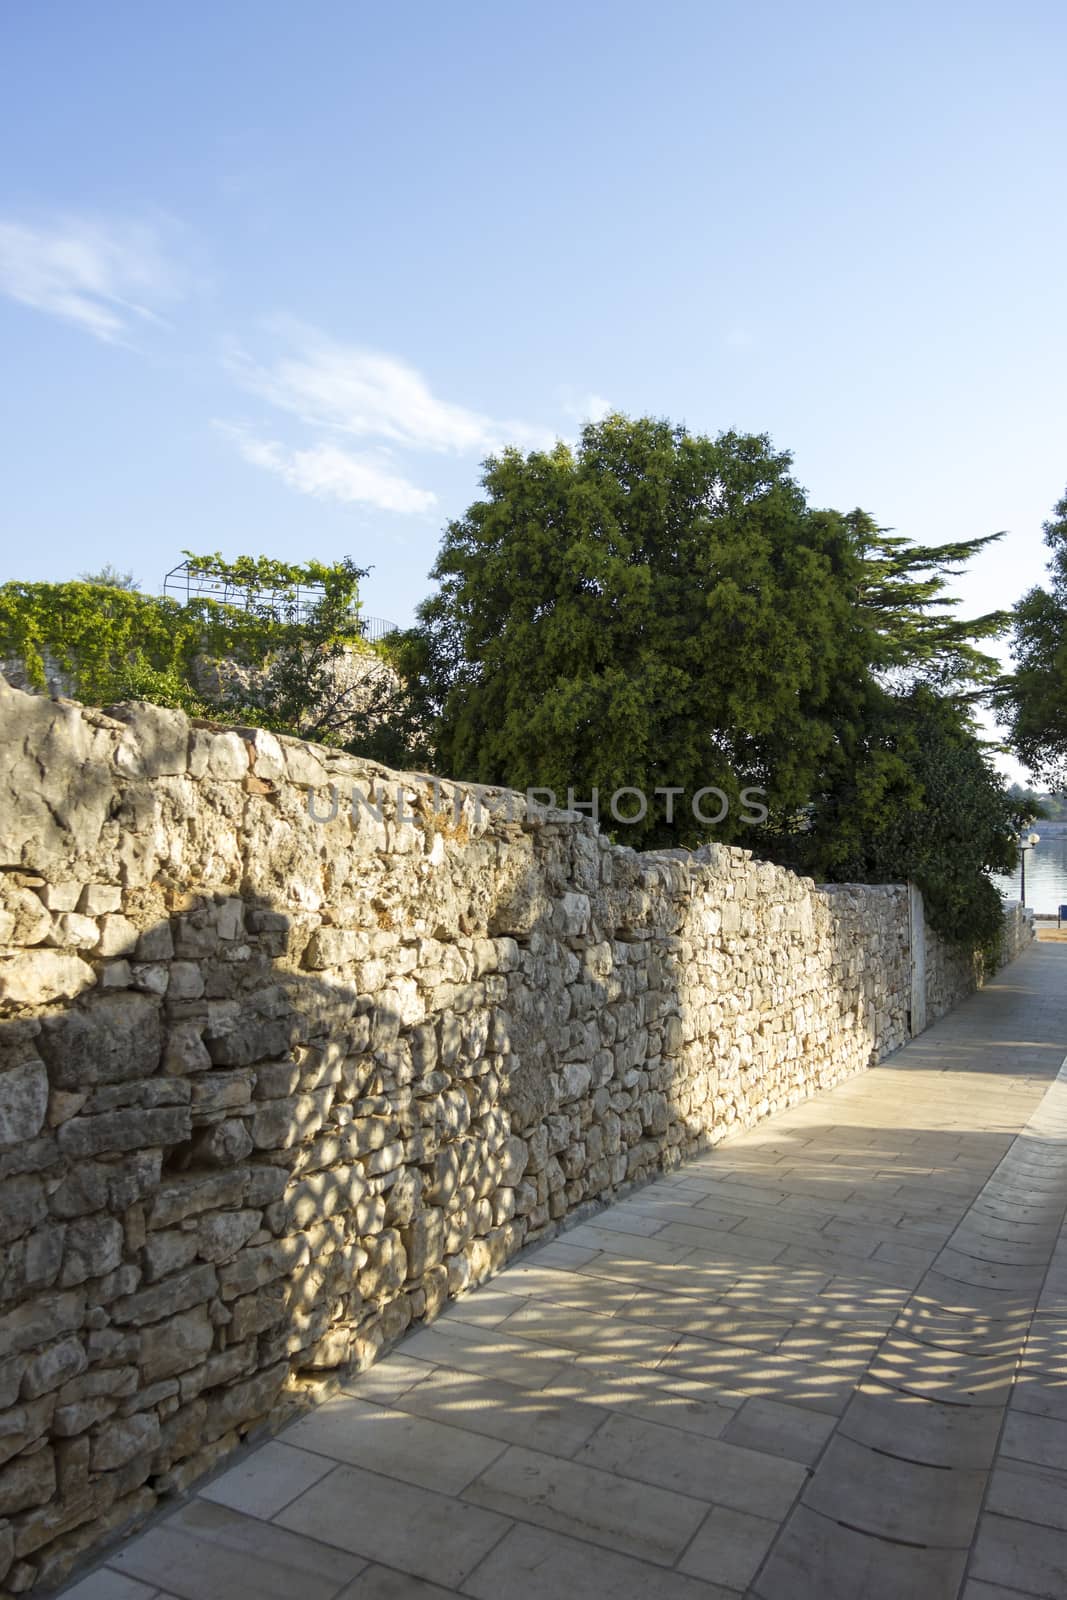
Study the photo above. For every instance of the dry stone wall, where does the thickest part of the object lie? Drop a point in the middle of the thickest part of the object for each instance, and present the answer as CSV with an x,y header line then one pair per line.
x,y
274,1085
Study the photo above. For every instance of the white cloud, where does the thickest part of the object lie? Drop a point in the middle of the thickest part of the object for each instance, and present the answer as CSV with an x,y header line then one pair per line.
x,y
103,277
373,395
327,472
586,407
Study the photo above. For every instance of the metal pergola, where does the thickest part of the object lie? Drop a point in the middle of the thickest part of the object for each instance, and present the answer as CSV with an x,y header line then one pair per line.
x,y
187,582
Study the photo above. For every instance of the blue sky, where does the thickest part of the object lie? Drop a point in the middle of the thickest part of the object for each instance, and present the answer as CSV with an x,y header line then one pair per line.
x,y
275,279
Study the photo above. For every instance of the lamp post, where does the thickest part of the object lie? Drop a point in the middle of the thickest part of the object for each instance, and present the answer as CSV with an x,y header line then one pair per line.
x,y
1024,845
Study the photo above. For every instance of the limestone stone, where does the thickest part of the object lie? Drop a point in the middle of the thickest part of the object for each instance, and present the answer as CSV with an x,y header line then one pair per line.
x,y
99,898
223,1144
177,1344
124,1130
53,1366
93,1247
190,1287
188,1196
123,1438
221,1235
113,1039
37,977
27,1480
23,1101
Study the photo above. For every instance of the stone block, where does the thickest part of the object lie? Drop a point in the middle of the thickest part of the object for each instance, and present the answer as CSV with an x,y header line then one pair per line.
x,y
115,1038
93,1247
27,1480
423,1241
52,1367
38,977
190,1287
121,1439
175,1345
125,1130
23,1204
222,1234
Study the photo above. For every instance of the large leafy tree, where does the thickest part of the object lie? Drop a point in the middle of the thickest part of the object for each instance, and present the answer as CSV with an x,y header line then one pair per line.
x,y
655,609
1034,698
652,609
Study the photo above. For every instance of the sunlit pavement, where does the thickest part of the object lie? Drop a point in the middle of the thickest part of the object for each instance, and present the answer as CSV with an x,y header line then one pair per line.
x,y
829,1359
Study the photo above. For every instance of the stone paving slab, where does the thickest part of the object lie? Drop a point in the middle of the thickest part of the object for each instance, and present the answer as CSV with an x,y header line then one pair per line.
x,y
826,1360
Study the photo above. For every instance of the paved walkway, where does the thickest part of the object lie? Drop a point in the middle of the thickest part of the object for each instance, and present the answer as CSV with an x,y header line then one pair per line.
x,y
828,1360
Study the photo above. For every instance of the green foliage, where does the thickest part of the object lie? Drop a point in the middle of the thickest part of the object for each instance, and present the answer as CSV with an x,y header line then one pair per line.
x,y
98,635
919,800
654,610
661,610
305,689
905,602
113,643
1034,698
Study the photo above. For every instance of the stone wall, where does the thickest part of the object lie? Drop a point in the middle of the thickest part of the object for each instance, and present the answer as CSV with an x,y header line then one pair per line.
x,y
275,1085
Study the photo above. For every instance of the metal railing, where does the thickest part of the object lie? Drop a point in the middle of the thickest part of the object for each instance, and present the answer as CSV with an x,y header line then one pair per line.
x,y
187,582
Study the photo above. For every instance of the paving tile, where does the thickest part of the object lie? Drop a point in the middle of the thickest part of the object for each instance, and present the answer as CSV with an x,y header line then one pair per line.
x,y
1042,1440
483,1308
733,1324
1021,1555
973,1590
709,1469
945,1375
817,1558
562,1253
968,1273
903,1500
776,1428
487,1353
266,1479
585,1502
558,1425
1036,1392
572,1328
645,1392
1032,1493
637,1249
923,1430
728,1547
432,1536
388,1379
383,1583
537,1564
106,1584
599,1295
396,1443
622,1219
930,1324
207,1552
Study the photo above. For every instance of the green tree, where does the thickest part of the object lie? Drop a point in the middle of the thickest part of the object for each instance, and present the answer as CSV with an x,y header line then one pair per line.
x,y
1034,698
920,801
907,605
652,610
111,578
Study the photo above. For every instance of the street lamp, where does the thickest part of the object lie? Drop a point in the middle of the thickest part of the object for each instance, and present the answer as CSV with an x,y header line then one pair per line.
x,y
1025,845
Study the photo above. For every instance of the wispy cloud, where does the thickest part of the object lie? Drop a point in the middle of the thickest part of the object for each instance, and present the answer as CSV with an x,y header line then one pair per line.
x,y
585,407
104,277
372,395
327,472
